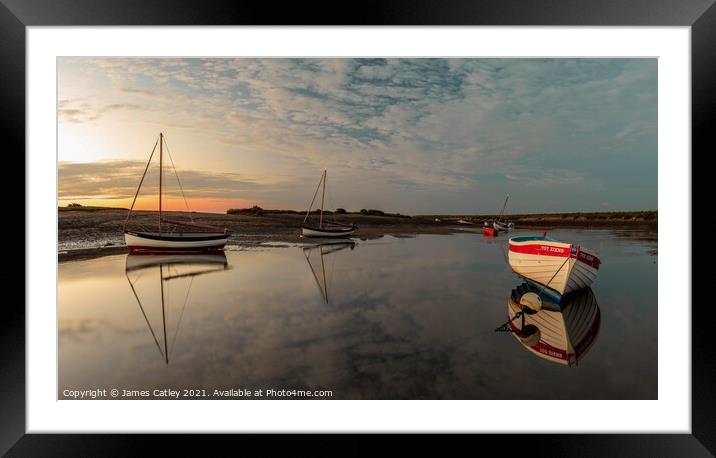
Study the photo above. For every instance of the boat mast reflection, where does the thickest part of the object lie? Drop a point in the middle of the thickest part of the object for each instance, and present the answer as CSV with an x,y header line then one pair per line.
x,y
562,333
170,267
322,250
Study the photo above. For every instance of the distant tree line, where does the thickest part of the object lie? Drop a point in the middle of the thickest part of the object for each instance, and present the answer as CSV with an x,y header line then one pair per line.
x,y
258,211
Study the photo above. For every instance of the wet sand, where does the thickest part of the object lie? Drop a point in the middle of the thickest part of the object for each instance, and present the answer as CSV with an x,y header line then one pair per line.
x,y
88,234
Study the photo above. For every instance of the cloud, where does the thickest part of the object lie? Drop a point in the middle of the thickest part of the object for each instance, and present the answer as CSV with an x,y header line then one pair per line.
x,y
119,180
78,111
133,91
443,123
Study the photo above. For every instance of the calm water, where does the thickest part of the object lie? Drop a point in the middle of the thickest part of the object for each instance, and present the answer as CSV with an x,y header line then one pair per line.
x,y
392,318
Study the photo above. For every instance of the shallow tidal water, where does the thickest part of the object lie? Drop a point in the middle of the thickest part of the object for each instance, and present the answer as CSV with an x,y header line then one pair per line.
x,y
390,318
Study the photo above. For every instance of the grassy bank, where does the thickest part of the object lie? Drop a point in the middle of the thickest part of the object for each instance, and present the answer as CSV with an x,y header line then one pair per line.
x,y
83,208
649,217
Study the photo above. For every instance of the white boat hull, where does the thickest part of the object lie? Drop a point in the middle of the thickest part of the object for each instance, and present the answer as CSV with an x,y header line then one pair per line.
x,y
138,261
560,266
310,232
565,334
138,241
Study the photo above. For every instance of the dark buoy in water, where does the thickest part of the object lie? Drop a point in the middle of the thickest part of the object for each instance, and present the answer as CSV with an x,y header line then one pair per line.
x,y
529,335
531,302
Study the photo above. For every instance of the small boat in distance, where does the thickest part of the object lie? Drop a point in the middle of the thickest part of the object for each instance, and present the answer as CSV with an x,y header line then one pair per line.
x,y
556,266
169,236
324,228
503,225
500,226
465,222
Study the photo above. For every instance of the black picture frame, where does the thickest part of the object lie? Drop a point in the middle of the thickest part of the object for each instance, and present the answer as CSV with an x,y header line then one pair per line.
x,y
700,15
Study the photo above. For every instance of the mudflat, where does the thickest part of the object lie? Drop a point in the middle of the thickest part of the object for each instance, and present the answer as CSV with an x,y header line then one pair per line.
x,y
86,233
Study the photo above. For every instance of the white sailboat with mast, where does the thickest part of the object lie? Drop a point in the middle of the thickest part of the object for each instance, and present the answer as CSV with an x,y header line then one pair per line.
x,y
171,236
499,224
324,228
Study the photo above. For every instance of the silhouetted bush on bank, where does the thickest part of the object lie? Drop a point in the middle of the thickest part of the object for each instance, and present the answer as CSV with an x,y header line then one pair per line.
x,y
258,211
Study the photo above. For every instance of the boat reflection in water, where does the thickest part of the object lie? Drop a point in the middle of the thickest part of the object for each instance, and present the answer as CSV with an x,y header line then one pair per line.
x,y
169,269
315,257
561,333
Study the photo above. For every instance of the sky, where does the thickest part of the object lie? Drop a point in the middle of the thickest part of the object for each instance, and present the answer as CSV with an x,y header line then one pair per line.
x,y
415,136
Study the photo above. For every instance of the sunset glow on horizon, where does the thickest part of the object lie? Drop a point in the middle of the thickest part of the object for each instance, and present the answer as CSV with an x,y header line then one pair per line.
x,y
175,204
416,136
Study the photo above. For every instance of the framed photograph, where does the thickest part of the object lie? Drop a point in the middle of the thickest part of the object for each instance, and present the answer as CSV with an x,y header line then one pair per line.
x,y
417,219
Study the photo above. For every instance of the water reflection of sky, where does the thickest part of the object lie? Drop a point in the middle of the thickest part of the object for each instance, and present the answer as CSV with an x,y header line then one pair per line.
x,y
407,318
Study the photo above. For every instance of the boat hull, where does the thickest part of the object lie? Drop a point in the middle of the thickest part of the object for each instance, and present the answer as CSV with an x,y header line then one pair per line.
x,y
180,242
502,226
308,231
566,333
562,267
140,260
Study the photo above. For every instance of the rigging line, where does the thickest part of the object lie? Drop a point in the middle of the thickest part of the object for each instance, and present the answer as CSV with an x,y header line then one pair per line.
x,y
307,254
131,285
178,180
140,184
186,300
314,198
323,198
505,327
555,274
503,208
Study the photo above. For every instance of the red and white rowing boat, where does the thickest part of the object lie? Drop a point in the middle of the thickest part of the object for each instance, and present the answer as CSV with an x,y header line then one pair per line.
x,y
557,266
562,334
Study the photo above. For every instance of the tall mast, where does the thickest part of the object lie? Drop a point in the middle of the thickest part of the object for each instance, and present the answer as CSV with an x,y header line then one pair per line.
x,y
161,154
164,316
323,267
323,197
503,207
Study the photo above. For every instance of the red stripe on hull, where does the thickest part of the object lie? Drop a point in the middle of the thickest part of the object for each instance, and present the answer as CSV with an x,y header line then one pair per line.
x,y
545,348
589,260
541,250
548,250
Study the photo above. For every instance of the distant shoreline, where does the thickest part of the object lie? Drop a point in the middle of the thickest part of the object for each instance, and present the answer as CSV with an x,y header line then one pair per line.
x,y
576,218
642,216
86,234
